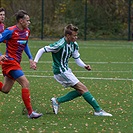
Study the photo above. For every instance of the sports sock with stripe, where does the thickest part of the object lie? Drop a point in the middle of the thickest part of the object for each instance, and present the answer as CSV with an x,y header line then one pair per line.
x,y
69,96
91,100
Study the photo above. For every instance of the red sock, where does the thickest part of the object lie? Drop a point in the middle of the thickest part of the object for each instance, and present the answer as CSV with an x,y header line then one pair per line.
x,y
26,99
1,84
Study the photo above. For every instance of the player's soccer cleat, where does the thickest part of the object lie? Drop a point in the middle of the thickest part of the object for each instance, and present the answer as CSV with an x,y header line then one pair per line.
x,y
55,105
102,113
34,115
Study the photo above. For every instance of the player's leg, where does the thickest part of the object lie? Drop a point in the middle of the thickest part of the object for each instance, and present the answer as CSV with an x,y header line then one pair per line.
x,y
25,93
19,76
1,85
87,95
90,99
7,85
67,79
65,98
80,89
68,97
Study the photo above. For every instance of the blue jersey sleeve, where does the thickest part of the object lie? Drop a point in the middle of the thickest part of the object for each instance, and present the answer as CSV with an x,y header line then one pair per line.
x,y
0,54
5,35
27,51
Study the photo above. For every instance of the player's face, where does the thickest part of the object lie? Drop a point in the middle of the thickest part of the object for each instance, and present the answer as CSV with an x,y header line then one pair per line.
x,y
25,22
2,16
73,37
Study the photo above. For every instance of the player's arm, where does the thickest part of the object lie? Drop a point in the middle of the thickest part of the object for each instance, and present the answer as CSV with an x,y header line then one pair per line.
x,y
28,53
0,56
37,57
79,62
45,49
3,57
5,35
39,54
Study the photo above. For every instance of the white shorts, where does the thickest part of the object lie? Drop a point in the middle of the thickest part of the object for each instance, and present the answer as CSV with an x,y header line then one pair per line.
x,y
67,79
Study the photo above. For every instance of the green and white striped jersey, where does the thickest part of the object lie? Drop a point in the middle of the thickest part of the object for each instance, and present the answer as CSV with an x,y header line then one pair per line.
x,y
61,52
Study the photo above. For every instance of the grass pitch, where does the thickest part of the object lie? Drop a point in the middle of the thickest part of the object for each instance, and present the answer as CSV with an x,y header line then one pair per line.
x,y
110,82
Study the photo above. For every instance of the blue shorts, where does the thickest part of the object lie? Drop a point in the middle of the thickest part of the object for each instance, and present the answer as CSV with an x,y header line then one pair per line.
x,y
16,73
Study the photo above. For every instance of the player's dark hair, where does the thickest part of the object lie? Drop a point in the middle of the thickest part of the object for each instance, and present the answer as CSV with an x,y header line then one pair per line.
x,y
2,9
20,14
69,28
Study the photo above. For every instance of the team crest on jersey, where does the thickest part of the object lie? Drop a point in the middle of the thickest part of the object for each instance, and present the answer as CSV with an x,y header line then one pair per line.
x,y
27,33
16,33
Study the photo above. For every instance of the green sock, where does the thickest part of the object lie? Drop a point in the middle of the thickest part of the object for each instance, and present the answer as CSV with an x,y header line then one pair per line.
x,y
91,100
69,96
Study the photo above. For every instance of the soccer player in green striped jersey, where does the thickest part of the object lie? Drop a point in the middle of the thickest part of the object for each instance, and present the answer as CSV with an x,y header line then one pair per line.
x,y
61,51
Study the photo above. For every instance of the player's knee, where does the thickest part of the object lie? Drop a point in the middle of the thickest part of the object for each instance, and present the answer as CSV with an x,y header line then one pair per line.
x,y
81,88
85,88
4,91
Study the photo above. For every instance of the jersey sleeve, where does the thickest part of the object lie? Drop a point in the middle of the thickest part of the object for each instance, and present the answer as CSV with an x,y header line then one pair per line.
x,y
52,48
76,54
80,63
5,35
27,51
39,54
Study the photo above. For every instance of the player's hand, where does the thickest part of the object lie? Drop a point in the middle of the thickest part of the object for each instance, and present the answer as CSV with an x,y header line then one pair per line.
x,y
32,64
3,58
88,67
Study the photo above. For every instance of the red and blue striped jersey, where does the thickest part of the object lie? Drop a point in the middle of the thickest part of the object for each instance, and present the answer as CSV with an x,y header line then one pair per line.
x,y
16,42
2,27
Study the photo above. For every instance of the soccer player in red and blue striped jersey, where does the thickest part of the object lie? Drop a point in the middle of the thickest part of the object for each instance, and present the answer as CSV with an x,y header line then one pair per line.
x,y
16,42
2,27
2,19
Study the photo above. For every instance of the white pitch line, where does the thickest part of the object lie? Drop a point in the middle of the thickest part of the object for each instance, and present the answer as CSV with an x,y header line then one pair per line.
x,y
120,79
71,62
85,71
93,78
